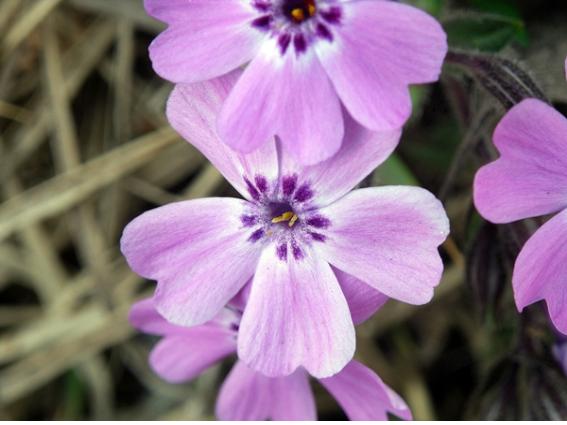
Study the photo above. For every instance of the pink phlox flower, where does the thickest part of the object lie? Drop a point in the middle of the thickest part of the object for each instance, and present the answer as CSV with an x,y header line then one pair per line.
x,y
306,59
303,240
184,353
529,180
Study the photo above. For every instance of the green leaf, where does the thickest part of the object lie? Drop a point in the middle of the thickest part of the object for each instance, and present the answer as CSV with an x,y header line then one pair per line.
x,y
394,172
433,7
485,31
74,397
501,7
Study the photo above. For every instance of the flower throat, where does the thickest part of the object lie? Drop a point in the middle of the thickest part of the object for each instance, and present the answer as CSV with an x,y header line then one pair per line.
x,y
299,10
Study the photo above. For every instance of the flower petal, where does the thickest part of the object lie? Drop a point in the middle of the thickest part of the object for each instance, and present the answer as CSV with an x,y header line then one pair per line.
x,y
541,269
143,316
363,300
530,178
199,253
244,396
382,47
184,352
193,110
388,237
296,316
240,300
289,96
293,398
363,395
247,395
335,177
198,13
202,41
182,357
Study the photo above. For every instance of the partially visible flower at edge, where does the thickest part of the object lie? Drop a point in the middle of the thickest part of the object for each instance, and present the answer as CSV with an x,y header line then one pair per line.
x,y
298,235
307,57
184,353
560,353
529,180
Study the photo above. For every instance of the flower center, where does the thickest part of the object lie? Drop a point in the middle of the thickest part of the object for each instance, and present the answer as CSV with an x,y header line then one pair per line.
x,y
288,216
281,212
299,11
297,24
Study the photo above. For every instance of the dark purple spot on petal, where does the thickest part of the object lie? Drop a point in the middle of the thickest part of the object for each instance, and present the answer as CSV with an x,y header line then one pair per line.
x,y
304,193
281,251
333,15
261,183
297,252
299,43
318,221
288,185
252,190
323,32
249,220
263,22
256,236
283,42
262,5
317,236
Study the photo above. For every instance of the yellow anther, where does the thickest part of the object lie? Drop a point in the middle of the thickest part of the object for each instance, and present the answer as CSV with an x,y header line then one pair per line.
x,y
298,14
286,216
292,221
311,8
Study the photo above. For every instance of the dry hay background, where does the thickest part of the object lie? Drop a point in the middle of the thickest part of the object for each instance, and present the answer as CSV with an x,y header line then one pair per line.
x,y
85,147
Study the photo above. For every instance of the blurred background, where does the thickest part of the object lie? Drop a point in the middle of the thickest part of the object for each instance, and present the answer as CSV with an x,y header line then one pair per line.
x,y
85,147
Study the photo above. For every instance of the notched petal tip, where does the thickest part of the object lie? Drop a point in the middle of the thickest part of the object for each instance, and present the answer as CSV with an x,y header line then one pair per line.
x,y
197,251
540,270
375,91
398,253
296,317
516,186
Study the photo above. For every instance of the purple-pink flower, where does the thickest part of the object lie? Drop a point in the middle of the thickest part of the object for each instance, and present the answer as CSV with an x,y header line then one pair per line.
x,y
306,59
303,241
530,180
184,353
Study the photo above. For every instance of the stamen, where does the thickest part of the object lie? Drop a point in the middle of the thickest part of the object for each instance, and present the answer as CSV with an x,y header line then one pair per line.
x,y
298,15
311,8
293,220
300,11
286,216
289,216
